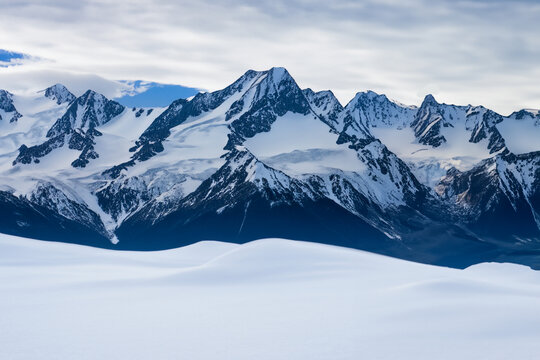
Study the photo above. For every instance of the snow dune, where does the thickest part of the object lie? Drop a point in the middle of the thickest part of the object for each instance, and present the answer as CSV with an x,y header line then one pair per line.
x,y
268,299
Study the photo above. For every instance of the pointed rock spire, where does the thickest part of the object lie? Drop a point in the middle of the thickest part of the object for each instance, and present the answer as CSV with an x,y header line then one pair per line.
x,y
59,93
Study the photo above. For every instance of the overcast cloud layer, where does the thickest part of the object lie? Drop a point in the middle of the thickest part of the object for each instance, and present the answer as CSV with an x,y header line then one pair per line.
x,y
480,52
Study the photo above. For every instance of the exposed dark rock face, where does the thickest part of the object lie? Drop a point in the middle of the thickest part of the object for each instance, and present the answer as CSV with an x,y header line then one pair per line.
x,y
85,113
6,104
499,198
76,140
274,96
77,127
22,217
325,105
428,122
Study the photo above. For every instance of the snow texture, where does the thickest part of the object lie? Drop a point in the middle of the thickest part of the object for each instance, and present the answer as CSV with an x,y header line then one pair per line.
x,y
268,299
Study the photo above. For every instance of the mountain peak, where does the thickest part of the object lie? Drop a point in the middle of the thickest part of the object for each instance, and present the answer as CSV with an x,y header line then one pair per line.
x,y
274,79
91,94
377,110
429,100
274,74
5,99
525,113
59,93
325,105
371,94
278,73
323,94
86,112
6,104
368,95
56,87
271,95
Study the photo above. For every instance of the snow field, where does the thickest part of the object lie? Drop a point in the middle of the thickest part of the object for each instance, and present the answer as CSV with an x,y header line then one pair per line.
x,y
268,299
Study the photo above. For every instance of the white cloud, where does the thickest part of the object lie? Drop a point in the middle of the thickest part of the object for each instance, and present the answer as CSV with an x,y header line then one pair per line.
x,y
25,79
482,52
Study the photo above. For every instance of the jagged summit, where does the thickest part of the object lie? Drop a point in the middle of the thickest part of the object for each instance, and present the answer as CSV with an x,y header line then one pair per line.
x,y
366,95
254,101
374,110
6,99
526,114
325,105
86,112
59,93
76,128
274,94
429,99
7,108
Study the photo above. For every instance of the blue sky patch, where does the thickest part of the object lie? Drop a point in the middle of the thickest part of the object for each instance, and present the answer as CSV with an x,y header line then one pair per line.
x,y
8,58
151,94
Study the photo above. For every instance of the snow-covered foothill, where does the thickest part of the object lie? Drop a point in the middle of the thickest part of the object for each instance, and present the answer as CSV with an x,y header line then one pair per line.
x,y
268,299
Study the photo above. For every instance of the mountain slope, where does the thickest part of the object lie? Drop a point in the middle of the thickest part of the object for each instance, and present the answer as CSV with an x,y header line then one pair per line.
x,y
436,137
499,198
76,128
42,220
242,200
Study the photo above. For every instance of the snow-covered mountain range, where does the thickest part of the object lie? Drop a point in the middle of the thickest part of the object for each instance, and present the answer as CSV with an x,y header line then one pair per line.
x,y
442,184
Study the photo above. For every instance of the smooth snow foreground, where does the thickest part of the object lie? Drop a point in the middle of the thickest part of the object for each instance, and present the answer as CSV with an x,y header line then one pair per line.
x,y
269,299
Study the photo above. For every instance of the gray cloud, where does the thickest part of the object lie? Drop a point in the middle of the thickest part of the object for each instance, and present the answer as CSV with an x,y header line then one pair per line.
x,y
482,52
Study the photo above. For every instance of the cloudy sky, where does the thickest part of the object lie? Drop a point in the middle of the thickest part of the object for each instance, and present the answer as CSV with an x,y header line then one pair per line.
x,y
475,51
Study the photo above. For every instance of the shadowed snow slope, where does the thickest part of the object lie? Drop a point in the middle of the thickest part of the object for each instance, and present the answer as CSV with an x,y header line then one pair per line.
x,y
268,299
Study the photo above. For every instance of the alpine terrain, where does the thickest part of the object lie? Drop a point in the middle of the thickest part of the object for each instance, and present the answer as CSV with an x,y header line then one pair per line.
x,y
439,184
